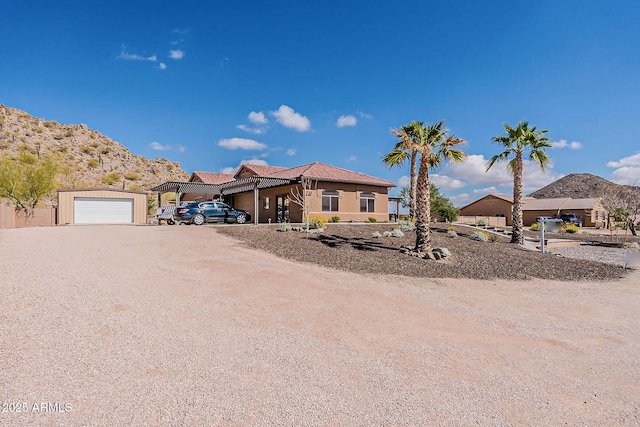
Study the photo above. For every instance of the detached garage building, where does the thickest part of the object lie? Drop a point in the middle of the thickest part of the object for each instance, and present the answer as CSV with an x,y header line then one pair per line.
x,y
101,206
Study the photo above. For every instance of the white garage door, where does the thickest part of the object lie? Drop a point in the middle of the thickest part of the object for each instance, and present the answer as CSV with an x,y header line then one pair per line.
x,y
102,211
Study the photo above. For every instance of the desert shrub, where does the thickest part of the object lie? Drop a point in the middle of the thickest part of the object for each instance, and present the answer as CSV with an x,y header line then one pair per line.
x,y
136,187
372,219
480,236
58,136
481,223
63,149
50,123
284,226
94,144
317,222
535,226
396,232
493,238
86,149
570,228
376,235
386,234
104,150
130,176
68,133
334,219
405,225
92,163
452,233
111,178
25,126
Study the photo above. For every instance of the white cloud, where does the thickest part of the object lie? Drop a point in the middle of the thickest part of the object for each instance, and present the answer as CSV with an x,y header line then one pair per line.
x,y
134,57
245,144
162,66
157,146
486,190
344,121
460,199
257,131
181,148
291,152
404,181
626,175
258,118
365,115
287,117
446,183
633,160
472,171
627,170
252,161
176,54
574,145
180,31
351,159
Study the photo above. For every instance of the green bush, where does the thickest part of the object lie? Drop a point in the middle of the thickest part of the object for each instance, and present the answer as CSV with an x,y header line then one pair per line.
x,y
92,163
481,223
317,222
396,232
480,236
372,219
111,178
284,226
535,226
570,228
334,219
493,238
405,225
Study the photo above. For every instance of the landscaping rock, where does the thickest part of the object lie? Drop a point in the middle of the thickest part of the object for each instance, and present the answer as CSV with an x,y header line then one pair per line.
x,y
444,252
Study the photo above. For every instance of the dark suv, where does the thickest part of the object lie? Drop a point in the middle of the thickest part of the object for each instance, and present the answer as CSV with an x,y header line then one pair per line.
x,y
572,218
200,212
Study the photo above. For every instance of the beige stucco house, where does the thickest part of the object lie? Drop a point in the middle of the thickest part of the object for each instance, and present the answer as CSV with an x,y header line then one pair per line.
x,y
590,210
267,192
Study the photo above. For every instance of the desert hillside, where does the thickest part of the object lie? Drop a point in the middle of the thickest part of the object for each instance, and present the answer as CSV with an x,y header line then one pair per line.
x,y
87,157
578,186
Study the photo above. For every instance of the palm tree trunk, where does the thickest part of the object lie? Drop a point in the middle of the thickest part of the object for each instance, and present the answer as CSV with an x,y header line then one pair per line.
x,y
517,235
414,183
423,209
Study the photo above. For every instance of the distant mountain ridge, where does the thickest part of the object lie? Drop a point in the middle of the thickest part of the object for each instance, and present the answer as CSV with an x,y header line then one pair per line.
x,y
579,186
88,158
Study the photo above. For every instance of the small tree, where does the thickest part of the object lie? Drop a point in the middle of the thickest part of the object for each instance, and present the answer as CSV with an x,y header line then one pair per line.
x,y
25,181
302,199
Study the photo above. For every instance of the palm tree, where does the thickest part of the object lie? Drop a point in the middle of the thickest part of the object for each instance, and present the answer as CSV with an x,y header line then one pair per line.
x,y
516,141
406,149
435,147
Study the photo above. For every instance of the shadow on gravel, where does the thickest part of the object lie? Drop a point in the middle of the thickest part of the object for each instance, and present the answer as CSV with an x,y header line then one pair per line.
x,y
335,241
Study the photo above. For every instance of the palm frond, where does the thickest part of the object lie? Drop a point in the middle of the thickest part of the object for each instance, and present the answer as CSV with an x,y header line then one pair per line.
x,y
395,157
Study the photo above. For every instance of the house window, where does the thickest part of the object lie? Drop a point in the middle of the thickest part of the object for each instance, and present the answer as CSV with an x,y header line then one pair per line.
x,y
265,203
330,200
367,202
597,215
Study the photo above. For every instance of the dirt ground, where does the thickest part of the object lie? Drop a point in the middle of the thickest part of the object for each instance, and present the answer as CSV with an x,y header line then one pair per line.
x,y
143,325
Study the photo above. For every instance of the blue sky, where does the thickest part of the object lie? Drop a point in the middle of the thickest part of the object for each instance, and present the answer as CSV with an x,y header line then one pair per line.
x,y
213,84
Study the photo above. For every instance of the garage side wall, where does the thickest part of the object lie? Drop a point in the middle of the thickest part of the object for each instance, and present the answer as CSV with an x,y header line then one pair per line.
x,y
66,206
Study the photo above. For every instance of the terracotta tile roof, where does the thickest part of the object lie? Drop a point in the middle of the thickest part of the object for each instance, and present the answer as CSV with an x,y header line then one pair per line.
x,y
324,172
260,170
211,177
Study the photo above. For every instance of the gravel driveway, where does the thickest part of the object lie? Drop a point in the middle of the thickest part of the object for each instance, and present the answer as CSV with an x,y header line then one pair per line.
x,y
142,325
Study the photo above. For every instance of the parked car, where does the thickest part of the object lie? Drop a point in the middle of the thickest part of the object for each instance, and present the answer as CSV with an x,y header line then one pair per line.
x,y
200,212
572,218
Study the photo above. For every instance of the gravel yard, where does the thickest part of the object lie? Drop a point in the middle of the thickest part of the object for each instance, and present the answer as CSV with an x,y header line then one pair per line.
x,y
143,325
351,248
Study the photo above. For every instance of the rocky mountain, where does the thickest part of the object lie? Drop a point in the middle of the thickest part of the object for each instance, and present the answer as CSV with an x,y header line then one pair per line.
x,y
579,185
86,157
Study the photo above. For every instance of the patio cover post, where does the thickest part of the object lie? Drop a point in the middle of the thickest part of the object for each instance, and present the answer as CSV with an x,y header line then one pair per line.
x,y
177,197
255,203
159,199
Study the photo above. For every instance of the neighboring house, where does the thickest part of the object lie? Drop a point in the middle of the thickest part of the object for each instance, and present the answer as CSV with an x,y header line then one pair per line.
x,y
266,192
591,210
